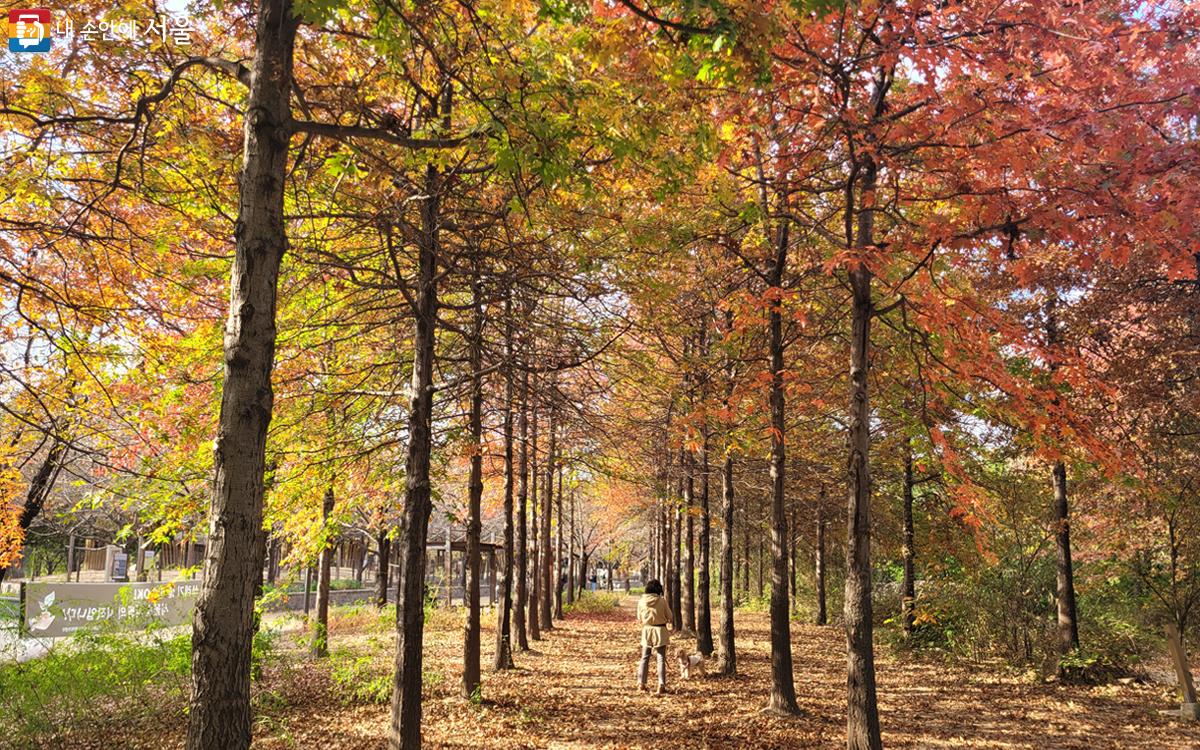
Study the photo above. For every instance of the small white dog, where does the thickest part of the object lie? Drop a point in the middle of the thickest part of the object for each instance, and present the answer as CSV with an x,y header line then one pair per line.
x,y
690,665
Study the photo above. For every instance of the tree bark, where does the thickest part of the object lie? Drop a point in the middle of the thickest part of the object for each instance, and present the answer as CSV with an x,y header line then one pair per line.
x,y
384,543
727,664
664,538
908,586
689,572
320,637
224,623
704,634
783,690
862,721
70,558
561,565
535,571
405,733
308,576
677,561
548,585
471,635
1068,615
792,556
822,617
522,553
657,570
504,622
571,552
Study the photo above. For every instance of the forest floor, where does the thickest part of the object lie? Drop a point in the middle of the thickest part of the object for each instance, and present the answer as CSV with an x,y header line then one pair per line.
x,y
575,689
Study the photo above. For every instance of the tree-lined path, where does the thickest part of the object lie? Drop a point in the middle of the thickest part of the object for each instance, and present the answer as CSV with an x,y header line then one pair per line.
x,y
882,315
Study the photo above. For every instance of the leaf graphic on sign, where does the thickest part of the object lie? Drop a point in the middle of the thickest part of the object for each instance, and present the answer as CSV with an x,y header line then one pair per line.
x,y
48,600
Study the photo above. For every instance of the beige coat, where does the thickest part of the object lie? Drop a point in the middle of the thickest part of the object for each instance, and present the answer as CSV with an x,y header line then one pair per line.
x,y
653,615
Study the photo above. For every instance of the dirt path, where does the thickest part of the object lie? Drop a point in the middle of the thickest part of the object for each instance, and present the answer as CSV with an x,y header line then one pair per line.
x,y
575,690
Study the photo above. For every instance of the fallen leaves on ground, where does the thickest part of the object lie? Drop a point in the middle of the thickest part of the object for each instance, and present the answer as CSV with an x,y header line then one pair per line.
x,y
575,689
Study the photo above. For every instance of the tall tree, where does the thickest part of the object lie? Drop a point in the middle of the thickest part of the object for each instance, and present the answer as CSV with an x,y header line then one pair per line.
x,y
405,731
320,636
908,584
1068,615
727,663
819,562
471,634
503,659
223,627
704,635
547,584
862,719
522,552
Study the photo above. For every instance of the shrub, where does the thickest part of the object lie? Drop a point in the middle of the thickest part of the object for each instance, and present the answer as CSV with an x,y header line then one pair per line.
x,y
48,698
756,603
260,650
360,678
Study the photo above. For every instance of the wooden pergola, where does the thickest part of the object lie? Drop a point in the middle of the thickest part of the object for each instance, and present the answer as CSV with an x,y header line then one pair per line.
x,y
446,548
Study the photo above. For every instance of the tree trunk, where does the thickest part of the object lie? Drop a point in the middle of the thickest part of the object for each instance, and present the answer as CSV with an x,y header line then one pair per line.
x,y
677,561
273,561
908,586
471,636
522,560
405,731
704,635
862,720
783,690
746,553
385,565
504,621
308,576
664,542
689,572
548,585
535,570
224,623
727,664
571,552
320,638
792,556
70,558
654,571
822,617
1068,616
561,565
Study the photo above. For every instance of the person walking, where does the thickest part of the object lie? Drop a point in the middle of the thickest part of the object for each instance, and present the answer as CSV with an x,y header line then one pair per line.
x,y
653,615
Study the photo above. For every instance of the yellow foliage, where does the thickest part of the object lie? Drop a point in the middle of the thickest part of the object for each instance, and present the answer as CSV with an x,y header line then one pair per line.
x,y
11,535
